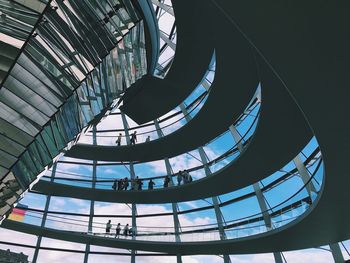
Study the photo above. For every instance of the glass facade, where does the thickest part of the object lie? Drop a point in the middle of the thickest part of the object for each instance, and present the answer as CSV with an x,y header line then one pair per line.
x,y
59,84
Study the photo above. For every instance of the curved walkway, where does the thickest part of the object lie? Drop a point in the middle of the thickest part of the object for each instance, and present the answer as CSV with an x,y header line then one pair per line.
x,y
281,133
235,83
319,86
310,54
267,187
152,97
206,233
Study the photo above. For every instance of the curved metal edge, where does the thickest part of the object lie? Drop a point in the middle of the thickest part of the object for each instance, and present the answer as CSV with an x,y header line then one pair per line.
x,y
150,18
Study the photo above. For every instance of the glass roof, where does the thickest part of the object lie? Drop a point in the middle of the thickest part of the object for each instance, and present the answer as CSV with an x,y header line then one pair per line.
x,y
57,84
17,22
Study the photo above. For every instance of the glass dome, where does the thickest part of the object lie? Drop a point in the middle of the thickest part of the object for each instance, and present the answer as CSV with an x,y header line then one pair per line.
x,y
167,131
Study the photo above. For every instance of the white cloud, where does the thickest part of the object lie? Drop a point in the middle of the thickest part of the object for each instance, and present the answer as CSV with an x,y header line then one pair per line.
x,y
109,171
73,168
57,203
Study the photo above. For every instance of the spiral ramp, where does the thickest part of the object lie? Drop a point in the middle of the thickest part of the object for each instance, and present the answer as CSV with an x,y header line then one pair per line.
x,y
274,80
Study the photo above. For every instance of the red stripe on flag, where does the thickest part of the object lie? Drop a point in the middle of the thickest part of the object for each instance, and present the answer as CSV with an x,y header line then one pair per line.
x,y
18,211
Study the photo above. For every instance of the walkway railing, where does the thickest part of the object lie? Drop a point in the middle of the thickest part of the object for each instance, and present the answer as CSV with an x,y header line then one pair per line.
x,y
281,214
215,164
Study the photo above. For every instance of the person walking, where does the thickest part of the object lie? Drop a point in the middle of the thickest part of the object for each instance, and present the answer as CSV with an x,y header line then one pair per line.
x,y
150,185
126,230
125,184
117,230
188,176
119,139
184,177
131,232
120,184
166,182
139,183
133,138
108,227
114,186
179,177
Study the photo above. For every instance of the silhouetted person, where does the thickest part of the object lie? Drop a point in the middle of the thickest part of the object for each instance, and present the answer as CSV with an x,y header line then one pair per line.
x,y
150,185
166,182
179,178
190,178
133,138
184,177
114,186
126,230
139,183
131,232
120,184
148,138
125,184
119,139
117,230
108,227
187,177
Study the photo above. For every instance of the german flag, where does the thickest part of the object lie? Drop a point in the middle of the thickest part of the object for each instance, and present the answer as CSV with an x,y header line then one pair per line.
x,y
18,213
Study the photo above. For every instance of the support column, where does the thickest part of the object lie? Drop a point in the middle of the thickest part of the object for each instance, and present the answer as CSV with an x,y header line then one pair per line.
x,y
262,205
336,253
174,205
132,177
92,202
215,200
133,215
304,175
259,195
126,128
43,221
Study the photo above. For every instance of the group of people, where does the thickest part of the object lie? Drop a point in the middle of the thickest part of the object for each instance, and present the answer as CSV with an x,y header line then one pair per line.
x,y
123,184
184,176
127,231
133,139
136,184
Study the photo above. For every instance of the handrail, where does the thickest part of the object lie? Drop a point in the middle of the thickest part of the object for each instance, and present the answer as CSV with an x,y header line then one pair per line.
x,y
228,153
251,218
199,98
197,102
81,251
204,227
285,177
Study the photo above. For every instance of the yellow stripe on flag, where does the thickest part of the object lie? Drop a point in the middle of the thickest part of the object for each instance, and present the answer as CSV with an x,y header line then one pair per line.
x,y
16,217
